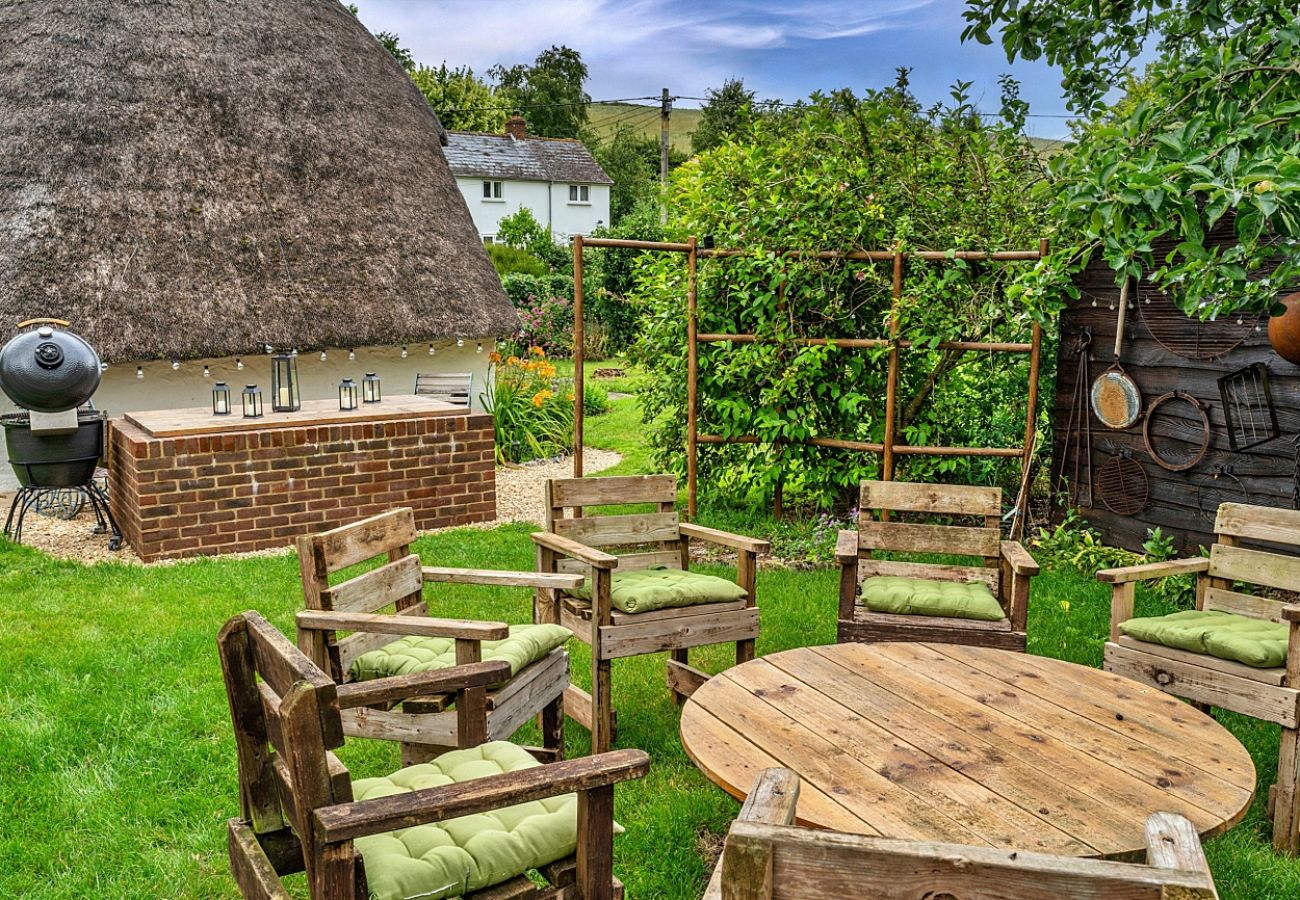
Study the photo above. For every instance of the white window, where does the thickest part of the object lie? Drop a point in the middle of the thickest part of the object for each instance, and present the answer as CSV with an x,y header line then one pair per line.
x,y
491,190
489,239
579,193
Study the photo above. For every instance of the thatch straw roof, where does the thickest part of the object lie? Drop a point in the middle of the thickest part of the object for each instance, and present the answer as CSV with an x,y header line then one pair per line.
x,y
196,178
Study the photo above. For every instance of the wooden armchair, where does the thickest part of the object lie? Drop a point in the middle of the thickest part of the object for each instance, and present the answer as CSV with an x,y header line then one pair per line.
x,y
297,808
765,857
571,544
424,725
1006,569
1271,694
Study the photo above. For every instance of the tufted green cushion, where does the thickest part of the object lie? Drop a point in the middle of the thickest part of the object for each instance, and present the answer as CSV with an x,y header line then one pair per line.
x,y
918,597
449,858
405,656
1226,635
659,587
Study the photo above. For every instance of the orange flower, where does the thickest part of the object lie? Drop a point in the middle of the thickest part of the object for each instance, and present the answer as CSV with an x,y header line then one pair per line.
x,y
494,358
537,351
541,397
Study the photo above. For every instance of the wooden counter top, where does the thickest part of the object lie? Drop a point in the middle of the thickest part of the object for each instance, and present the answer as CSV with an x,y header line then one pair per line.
x,y
200,420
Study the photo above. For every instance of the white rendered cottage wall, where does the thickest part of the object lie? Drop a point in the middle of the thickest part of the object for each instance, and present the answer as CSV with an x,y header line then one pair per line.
x,y
548,202
120,391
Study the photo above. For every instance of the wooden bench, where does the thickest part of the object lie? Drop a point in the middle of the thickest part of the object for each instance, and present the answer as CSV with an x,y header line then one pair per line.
x,y
766,858
424,726
1006,566
1269,694
573,543
454,387
296,803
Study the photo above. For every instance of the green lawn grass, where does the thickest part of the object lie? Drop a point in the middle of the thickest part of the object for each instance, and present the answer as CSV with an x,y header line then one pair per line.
x,y
118,765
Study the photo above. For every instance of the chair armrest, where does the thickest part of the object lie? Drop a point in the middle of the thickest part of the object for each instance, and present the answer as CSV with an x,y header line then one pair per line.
x,y
439,681
1018,558
572,549
846,547
347,821
413,626
1146,571
771,801
725,538
1291,612
502,578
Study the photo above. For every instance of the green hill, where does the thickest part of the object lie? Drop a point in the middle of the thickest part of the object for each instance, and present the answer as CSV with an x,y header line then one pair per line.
x,y
605,117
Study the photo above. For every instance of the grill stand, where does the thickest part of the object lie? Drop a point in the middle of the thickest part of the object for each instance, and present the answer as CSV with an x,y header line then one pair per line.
x,y
28,497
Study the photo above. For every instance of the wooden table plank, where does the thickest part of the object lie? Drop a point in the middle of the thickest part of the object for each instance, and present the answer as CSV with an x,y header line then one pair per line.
x,y
200,420
983,811
1127,756
970,745
868,795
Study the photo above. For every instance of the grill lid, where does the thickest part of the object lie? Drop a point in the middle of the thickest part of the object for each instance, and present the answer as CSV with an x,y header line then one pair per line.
x,y
47,369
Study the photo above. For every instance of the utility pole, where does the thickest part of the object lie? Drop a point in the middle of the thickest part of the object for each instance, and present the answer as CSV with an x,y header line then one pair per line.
x,y
665,110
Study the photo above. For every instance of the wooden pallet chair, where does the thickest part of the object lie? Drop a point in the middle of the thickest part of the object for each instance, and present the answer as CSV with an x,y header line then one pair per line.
x,y
1267,688
455,388
765,856
572,543
381,642
300,809
1005,568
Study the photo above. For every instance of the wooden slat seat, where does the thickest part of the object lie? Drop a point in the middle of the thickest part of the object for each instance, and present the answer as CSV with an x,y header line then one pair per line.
x,y
424,725
1006,566
451,387
1223,582
579,539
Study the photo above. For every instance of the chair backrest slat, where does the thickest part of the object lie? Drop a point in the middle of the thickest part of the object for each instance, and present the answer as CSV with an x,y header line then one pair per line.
x,y
605,531
929,571
377,588
941,499
612,489
1242,604
356,542
450,387
909,538
1259,523
1254,567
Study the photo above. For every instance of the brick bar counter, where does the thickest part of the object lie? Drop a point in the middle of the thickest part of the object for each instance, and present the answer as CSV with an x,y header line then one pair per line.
x,y
188,483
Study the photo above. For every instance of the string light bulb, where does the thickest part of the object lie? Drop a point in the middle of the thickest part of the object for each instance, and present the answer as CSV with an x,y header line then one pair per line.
x,y
206,372
176,364
431,349
139,372
404,353
239,363
103,367
479,348
352,354
322,356
460,342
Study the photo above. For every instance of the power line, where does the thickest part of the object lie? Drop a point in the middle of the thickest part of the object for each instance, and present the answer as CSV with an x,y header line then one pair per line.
x,y
543,105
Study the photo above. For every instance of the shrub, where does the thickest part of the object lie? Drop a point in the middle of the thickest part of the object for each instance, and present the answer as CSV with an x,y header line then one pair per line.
x,y
595,399
522,231
1074,544
545,307
511,260
533,419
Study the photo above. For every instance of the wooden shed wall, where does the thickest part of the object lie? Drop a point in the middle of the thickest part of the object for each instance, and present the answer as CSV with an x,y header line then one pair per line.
x,y
1267,472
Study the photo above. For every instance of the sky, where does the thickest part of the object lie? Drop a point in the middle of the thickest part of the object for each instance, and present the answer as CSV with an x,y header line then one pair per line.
x,y
783,49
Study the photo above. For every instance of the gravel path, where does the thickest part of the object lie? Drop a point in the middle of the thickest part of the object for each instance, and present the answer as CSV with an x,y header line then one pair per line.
x,y
519,499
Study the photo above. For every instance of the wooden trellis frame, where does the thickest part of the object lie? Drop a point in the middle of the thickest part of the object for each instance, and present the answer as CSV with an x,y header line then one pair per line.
x,y
889,447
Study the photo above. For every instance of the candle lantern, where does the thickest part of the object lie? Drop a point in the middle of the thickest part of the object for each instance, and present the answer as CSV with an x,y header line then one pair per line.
x,y
347,394
284,382
252,396
221,399
370,392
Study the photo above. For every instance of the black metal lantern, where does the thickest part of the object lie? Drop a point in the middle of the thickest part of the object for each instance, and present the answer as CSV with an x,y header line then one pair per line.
x,y
347,394
370,392
284,383
252,396
221,399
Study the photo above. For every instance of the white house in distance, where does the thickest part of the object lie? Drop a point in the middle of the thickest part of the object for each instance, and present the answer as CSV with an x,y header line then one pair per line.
x,y
557,179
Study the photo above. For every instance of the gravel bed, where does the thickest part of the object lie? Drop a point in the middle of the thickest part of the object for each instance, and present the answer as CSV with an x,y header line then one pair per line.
x,y
519,499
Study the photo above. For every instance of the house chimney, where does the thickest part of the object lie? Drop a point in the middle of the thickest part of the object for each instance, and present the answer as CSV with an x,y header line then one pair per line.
x,y
516,127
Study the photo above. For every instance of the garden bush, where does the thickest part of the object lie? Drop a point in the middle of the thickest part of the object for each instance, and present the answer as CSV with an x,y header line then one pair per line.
x,y
545,307
845,172
533,419
509,260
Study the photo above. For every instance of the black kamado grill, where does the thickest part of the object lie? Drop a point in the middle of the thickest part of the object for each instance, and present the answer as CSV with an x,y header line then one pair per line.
x,y
54,443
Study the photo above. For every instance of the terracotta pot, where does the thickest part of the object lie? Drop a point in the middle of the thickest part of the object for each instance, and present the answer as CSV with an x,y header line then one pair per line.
x,y
1284,330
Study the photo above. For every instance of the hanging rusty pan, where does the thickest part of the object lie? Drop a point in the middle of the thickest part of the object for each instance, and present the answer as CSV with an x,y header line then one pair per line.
x,y
1116,400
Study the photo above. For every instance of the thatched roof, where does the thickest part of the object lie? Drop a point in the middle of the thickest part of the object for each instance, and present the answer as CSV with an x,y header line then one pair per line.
x,y
196,178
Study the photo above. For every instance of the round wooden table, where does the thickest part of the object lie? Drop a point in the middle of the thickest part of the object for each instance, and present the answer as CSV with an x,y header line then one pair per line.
x,y
968,745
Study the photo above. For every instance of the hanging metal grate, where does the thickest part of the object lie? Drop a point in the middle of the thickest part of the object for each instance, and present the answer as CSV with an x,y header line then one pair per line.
x,y
1122,486
1248,407
1187,336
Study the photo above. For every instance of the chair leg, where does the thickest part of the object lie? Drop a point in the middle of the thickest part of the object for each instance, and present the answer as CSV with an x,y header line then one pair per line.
x,y
602,706
553,727
682,656
1286,802
744,651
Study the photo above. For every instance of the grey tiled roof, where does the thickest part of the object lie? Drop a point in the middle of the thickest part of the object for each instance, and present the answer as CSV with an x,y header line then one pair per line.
x,y
531,159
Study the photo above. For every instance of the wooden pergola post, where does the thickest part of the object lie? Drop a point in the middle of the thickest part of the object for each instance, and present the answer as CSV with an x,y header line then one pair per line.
x,y
692,375
891,381
578,338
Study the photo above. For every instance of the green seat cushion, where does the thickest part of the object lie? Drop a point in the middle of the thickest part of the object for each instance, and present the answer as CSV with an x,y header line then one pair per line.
x,y
448,859
406,656
1226,635
659,587
918,597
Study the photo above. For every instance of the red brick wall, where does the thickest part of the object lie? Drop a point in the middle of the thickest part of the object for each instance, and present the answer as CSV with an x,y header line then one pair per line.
x,y
250,490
